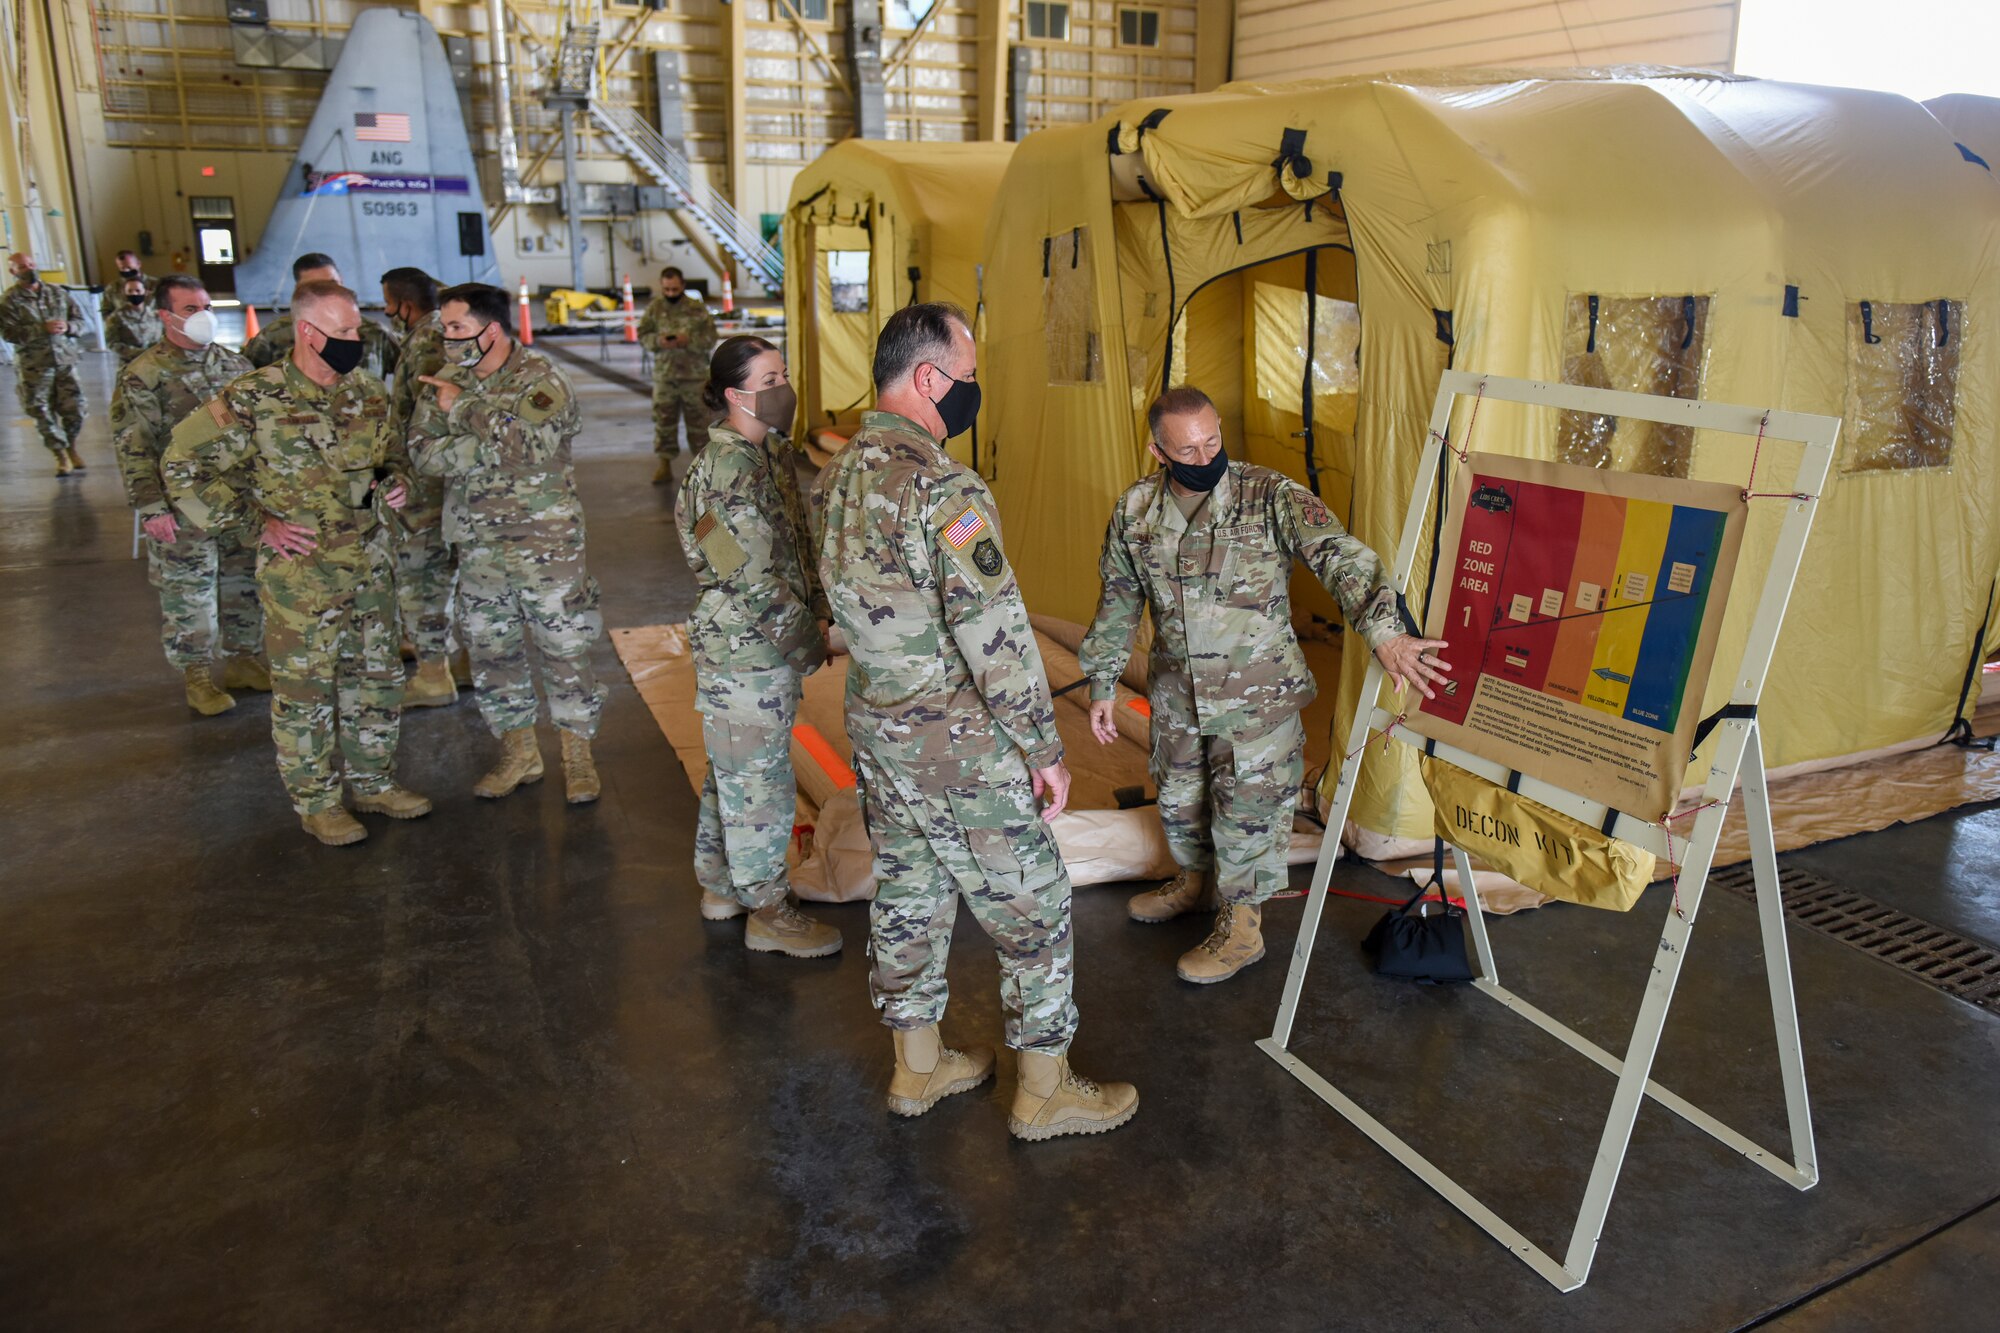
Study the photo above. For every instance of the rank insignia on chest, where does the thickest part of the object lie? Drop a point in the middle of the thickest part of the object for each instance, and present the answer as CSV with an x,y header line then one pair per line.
x,y
986,556
964,528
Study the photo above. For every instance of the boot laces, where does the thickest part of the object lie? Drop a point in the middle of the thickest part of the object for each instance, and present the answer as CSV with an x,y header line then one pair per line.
x,y
1079,1084
1174,887
1218,935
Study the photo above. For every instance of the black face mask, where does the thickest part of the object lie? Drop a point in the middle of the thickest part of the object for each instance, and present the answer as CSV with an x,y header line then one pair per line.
x,y
27,275
1200,476
959,407
135,300
341,354
128,273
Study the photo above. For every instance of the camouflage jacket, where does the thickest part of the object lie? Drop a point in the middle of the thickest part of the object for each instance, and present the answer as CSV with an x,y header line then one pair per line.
x,y
685,314
1220,591
943,665
503,451
743,529
274,344
130,330
421,353
273,443
156,391
113,298
25,310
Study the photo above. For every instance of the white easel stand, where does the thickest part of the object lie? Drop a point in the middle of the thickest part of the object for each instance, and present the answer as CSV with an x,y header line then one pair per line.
x,y
1738,754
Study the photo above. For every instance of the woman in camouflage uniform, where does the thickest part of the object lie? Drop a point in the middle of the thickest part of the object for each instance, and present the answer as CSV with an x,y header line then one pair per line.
x,y
757,630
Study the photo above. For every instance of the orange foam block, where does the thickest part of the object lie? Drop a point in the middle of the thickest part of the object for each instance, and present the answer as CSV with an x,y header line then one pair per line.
x,y
823,754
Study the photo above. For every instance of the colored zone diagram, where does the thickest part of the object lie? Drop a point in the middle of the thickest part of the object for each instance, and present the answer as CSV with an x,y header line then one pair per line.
x,y
1591,599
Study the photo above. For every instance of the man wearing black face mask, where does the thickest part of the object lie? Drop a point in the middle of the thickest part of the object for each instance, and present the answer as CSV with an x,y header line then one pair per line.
x,y
1208,545
305,452
496,425
129,272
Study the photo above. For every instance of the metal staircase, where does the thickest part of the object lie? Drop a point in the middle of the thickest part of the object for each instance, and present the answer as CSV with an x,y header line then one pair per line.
x,y
664,163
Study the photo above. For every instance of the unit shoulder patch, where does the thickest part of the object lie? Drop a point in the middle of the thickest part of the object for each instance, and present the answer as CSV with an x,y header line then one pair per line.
x,y
718,545
986,558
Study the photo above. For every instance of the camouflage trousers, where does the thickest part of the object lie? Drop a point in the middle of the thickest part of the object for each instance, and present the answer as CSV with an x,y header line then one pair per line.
x,y
336,675
749,800
967,828
1226,801
673,401
426,571
206,583
528,607
51,395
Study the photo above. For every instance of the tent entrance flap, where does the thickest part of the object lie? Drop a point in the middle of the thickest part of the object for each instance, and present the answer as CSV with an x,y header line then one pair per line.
x,y
841,322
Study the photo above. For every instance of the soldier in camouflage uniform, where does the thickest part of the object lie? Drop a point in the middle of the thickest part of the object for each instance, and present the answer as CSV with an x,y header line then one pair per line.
x,y
206,579
425,566
134,325
496,424
113,298
274,344
42,321
954,737
756,633
680,333
1207,544
305,448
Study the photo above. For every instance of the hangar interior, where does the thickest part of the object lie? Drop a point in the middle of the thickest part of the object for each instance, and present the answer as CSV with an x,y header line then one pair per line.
x,y
491,1067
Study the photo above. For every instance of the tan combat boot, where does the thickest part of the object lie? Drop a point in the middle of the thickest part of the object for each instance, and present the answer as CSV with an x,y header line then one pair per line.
x,y
580,782
431,686
1236,942
393,801
715,907
1051,1099
202,694
928,1071
241,671
75,459
63,465
335,827
782,928
1189,891
664,472
520,764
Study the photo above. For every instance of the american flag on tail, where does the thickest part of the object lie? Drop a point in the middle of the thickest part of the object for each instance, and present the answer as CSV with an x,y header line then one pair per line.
x,y
381,127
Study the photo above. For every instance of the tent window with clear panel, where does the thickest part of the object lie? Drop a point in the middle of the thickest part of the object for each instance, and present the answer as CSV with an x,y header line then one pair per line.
x,y
1638,344
1069,309
1902,385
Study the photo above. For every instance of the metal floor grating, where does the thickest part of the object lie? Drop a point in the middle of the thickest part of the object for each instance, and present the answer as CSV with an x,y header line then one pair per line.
x,y
1952,963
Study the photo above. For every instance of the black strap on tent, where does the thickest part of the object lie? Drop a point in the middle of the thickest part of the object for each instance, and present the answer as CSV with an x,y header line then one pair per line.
x,y
1075,245
1111,141
1292,152
1738,712
1309,210
916,276
1443,318
1153,119
1047,242
1687,319
1944,323
1409,622
1237,217
1610,818
1514,781
1334,179
882,208
1306,388
1590,339
1961,726
1868,334
1791,310
1971,156
807,202
1070,688
1167,253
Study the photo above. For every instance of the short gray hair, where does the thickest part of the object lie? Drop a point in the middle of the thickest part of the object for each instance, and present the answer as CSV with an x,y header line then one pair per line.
x,y
1180,400
913,335
320,291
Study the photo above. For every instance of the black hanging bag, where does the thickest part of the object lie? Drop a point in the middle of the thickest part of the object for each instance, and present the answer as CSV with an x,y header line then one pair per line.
x,y
1427,949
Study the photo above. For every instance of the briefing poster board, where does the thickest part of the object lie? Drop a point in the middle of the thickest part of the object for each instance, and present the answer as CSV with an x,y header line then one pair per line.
x,y
1581,613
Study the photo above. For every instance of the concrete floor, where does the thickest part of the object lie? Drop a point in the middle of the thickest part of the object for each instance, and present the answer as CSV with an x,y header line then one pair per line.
x,y
490,1070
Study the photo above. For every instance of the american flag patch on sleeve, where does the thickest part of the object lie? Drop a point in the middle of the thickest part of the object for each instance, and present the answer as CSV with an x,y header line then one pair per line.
x,y
964,528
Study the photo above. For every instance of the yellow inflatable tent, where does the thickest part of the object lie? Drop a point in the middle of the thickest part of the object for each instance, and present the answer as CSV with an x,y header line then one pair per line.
x,y
1814,249
878,224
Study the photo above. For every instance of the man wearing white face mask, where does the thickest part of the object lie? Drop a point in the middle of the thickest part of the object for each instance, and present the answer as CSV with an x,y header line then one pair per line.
x,y
206,579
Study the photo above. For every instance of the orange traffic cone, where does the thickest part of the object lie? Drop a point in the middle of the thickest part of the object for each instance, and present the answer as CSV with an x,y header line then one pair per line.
x,y
250,329
728,295
527,321
631,322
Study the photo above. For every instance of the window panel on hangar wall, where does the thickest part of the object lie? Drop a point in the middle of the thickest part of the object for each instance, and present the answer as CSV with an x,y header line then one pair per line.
x,y
1636,344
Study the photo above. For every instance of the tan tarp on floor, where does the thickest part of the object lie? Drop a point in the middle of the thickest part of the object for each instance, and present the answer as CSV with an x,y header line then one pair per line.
x,y
1103,844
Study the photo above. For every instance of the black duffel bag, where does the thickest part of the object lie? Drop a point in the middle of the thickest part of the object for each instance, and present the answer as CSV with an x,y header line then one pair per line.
x,y
1423,948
